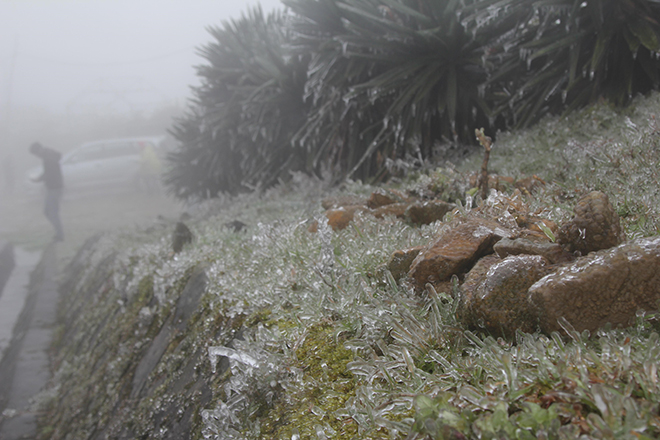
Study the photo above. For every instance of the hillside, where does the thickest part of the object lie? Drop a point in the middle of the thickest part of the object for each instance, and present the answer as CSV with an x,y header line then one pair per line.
x,y
277,331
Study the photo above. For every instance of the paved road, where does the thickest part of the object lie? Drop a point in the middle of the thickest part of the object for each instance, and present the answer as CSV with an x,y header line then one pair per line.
x,y
13,297
24,368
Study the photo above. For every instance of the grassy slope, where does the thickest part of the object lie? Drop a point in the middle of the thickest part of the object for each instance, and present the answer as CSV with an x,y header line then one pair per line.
x,y
333,348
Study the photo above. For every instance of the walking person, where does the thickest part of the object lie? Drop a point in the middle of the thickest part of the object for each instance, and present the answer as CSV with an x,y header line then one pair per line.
x,y
52,178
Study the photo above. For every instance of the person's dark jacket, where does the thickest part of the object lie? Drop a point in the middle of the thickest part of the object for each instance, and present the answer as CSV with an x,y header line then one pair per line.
x,y
52,176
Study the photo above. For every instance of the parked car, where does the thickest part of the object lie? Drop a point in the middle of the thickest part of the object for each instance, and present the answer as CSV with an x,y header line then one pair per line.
x,y
112,165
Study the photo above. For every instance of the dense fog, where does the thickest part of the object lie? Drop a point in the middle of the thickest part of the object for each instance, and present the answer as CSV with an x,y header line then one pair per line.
x,y
74,72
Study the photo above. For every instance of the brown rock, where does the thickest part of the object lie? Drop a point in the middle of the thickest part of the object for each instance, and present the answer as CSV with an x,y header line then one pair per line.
x,y
339,218
400,261
395,209
181,237
383,197
528,185
494,295
235,225
605,286
456,251
425,213
595,225
342,200
553,252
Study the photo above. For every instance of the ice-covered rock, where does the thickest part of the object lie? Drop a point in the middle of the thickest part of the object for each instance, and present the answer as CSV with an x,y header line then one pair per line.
x,y
456,251
342,200
595,226
383,197
401,260
181,237
340,218
424,213
553,252
393,209
608,286
494,295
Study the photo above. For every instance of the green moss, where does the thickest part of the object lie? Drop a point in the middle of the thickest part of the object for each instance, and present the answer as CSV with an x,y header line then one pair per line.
x,y
258,317
145,290
328,385
45,432
322,355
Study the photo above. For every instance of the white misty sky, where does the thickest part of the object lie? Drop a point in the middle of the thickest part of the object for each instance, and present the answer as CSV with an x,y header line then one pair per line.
x,y
70,55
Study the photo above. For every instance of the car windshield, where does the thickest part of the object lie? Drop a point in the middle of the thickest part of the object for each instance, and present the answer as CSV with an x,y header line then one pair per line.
x,y
105,151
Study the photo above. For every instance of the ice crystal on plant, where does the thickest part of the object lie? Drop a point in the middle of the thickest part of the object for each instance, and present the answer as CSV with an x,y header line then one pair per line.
x,y
257,372
327,255
233,355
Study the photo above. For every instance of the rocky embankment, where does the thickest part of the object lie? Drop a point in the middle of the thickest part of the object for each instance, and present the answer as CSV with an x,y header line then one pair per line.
x,y
132,354
127,367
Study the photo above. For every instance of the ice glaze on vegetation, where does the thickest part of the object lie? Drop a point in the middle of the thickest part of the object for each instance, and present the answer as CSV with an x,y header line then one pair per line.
x,y
301,335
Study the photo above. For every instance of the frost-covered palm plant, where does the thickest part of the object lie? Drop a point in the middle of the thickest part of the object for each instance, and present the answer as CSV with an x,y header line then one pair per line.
x,y
388,78
554,56
236,134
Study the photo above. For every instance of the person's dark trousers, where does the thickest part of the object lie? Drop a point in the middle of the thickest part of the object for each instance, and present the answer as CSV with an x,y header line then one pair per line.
x,y
52,211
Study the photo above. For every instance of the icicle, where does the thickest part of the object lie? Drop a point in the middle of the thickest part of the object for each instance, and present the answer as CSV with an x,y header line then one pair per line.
x,y
481,90
468,202
344,48
327,257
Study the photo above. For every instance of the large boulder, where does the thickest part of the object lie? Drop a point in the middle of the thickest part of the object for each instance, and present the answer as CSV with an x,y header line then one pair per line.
x,y
595,226
494,295
456,251
607,286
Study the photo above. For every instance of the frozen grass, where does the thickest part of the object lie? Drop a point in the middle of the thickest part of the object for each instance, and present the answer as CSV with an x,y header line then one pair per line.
x,y
599,148
331,347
